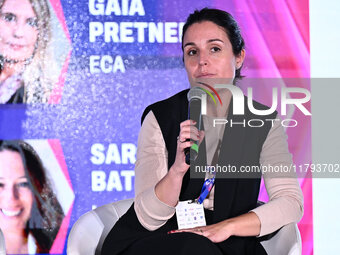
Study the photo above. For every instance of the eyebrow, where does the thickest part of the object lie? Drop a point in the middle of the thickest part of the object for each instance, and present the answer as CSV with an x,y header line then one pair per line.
x,y
4,13
22,177
209,41
1,12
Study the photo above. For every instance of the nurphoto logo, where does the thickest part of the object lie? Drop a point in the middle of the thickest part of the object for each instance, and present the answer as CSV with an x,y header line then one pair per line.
x,y
238,104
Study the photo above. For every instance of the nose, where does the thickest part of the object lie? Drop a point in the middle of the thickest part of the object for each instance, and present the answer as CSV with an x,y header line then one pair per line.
x,y
19,30
10,194
203,59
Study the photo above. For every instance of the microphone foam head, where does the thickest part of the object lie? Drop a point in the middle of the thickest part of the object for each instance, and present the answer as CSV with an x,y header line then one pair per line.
x,y
195,93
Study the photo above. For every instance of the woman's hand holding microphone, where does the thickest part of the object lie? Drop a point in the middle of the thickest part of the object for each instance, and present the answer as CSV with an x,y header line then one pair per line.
x,y
169,187
186,138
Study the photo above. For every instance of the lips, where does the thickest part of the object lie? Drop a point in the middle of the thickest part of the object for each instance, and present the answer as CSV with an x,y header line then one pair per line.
x,y
206,75
11,213
16,46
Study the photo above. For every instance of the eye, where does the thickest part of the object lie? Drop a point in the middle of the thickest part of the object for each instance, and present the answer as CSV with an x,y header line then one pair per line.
x,y
215,49
2,185
8,17
23,185
33,22
191,52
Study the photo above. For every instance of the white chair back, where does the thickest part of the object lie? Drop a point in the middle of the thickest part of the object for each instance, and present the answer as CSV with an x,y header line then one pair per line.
x,y
90,230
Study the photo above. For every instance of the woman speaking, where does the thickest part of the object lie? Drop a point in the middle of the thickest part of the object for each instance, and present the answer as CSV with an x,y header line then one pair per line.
x,y
174,213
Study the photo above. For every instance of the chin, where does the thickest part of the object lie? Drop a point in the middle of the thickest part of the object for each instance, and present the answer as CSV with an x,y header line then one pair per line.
x,y
17,56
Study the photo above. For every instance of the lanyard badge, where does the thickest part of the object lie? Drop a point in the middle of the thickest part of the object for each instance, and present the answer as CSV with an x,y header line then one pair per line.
x,y
190,213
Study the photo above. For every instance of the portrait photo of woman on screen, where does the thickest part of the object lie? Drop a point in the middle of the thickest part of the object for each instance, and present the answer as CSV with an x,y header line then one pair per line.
x,y
30,213
26,63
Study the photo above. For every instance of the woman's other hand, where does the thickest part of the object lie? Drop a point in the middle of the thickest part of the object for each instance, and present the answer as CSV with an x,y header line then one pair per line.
x,y
216,232
247,224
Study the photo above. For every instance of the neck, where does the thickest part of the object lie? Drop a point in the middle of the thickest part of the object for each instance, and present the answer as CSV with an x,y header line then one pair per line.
x,y
216,109
16,242
219,110
9,69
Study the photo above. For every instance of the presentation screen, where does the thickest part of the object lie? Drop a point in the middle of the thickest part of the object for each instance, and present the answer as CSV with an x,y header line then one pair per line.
x,y
87,73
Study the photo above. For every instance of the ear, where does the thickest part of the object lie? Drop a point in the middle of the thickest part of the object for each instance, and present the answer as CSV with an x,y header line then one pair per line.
x,y
240,59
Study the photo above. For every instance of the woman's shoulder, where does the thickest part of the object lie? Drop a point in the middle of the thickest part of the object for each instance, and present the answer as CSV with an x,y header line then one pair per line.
x,y
173,104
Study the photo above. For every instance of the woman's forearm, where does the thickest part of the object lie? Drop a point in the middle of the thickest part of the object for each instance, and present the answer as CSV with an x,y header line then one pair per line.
x,y
169,187
247,224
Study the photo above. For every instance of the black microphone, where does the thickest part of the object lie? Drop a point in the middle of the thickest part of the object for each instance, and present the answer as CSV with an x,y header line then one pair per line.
x,y
195,98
